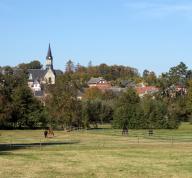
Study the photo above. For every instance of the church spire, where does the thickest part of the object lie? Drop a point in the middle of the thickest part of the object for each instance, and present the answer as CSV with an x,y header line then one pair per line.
x,y
49,54
49,59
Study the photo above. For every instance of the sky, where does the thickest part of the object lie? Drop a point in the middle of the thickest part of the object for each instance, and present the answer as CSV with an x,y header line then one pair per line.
x,y
145,34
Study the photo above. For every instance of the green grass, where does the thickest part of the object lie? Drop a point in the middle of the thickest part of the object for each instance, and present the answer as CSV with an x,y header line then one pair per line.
x,y
98,153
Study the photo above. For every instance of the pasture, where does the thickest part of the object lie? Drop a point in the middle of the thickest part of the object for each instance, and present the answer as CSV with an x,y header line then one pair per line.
x,y
102,153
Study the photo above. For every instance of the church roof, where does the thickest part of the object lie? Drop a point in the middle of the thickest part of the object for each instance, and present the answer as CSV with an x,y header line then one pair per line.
x,y
49,54
37,74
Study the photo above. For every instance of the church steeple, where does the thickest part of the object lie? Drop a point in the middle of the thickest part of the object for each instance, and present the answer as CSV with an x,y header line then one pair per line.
x,y
49,54
49,59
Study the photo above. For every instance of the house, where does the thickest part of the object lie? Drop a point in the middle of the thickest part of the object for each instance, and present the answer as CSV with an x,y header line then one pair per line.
x,y
117,90
175,90
100,83
127,84
181,89
144,90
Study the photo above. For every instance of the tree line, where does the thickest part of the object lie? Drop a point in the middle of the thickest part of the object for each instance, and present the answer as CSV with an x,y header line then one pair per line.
x,y
62,108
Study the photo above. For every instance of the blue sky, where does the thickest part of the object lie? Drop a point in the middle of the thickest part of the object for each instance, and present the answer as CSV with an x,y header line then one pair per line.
x,y
146,34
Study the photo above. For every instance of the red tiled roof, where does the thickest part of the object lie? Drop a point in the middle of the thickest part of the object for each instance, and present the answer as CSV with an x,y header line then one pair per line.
x,y
146,89
103,86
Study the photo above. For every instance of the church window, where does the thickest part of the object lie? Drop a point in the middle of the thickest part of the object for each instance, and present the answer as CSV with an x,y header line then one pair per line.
x,y
50,80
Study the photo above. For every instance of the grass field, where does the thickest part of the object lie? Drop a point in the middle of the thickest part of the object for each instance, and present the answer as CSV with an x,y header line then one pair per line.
x,y
97,153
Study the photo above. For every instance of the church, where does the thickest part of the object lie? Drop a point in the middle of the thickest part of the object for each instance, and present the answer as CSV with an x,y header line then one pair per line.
x,y
38,77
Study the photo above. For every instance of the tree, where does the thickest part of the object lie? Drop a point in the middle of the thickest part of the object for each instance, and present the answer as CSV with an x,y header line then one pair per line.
x,y
8,70
178,74
106,114
145,73
92,112
27,110
158,114
62,104
92,93
90,64
108,95
5,110
69,67
149,77
189,99
31,65
35,65
126,109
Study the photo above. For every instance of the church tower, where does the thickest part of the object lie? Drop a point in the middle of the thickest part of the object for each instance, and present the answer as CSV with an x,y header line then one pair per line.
x,y
49,59
50,73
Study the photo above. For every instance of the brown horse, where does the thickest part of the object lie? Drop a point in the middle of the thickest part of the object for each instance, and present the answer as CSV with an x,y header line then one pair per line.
x,y
49,132
45,133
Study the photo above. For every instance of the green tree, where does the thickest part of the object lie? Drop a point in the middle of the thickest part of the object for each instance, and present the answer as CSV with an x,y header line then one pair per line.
x,y
176,76
92,112
62,103
35,65
92,93
149,77
69,67
5,111
126,110
189,100
31,65
158,114
27,110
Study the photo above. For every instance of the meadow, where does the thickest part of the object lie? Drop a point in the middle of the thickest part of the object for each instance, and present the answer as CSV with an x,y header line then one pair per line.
x,y
101,152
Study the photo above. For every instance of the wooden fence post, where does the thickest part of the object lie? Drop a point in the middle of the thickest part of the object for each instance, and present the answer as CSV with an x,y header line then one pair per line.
x,y
40,144
10,142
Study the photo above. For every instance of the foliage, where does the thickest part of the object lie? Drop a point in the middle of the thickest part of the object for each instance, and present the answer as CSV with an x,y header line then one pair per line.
x,y
96,111
149,77
130,112
31,65
111,73
157,114
26,109
126,109
92,93
18,106
62,104
69,67
177,75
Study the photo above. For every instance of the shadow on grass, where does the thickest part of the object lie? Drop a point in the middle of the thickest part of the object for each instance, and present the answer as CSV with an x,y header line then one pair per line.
x,y
98,129
15,146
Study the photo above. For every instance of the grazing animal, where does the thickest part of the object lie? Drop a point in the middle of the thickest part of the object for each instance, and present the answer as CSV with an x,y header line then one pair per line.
x,y
45,133
125,131
50,131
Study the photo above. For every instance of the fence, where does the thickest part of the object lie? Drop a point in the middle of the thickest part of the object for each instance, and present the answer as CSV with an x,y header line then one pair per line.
x,y
11,142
